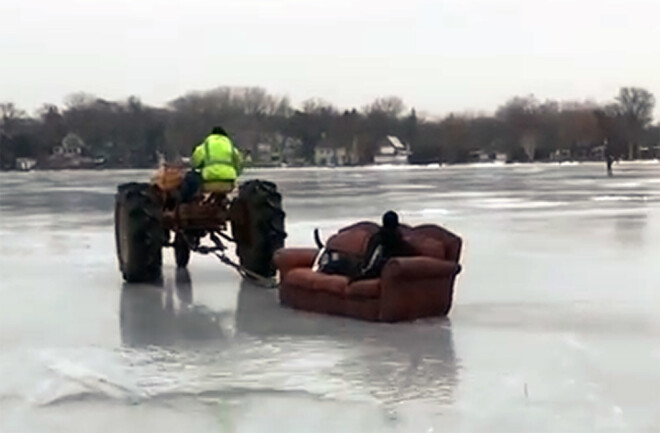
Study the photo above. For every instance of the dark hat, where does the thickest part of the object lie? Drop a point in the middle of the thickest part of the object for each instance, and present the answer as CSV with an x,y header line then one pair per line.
x,y
219,130
390,219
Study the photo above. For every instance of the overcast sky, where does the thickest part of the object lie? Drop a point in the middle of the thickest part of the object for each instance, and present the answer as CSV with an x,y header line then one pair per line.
x,y
439,56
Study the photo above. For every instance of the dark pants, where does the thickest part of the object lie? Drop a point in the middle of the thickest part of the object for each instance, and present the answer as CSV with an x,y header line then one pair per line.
x,y
382,246
192,183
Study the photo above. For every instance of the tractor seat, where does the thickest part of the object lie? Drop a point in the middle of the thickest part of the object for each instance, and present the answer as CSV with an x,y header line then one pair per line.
x,y
218,187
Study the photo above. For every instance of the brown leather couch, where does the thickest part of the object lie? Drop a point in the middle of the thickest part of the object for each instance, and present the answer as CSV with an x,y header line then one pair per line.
x,y
409,287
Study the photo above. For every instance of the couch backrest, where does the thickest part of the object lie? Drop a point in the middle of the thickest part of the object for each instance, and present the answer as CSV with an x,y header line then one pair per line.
x,y
426,246
428,239
452,243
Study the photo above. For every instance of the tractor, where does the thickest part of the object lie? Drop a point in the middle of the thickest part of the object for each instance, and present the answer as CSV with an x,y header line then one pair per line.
x,y
151,215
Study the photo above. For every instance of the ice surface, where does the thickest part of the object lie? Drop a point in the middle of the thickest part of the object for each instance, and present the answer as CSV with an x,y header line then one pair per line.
x,y
555,326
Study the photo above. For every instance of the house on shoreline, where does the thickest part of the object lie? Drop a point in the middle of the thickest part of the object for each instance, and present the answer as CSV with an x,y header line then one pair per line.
x,y
275,150
330,153
70,154
480,156
392,151
25,164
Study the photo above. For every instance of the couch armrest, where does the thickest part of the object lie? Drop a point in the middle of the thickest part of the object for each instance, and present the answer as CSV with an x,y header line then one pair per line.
x,y
419,267
286,259
416,287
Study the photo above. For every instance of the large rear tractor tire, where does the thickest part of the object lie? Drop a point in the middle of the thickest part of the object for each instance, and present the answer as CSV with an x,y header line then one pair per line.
x,y
138,233
257,222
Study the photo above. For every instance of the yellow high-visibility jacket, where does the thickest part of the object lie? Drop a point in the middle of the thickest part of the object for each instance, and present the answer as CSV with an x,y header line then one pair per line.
x,y
218,159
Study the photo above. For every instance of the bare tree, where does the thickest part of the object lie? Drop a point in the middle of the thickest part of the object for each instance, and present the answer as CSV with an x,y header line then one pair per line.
x,y
455,138
10,115
318,106
283,107
634,106
9,110
528,142
79,100
523,119
519,111
53,127
577,129
391,106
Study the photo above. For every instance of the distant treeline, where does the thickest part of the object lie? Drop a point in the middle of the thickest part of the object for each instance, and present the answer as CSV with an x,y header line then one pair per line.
x,y
131,134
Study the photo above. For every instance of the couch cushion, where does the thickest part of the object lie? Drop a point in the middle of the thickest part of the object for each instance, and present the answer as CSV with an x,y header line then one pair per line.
x,y
305,278
364,288
300,277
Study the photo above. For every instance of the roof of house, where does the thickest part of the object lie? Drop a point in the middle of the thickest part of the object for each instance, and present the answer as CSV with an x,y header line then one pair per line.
x,y
395,142
326,143
72,140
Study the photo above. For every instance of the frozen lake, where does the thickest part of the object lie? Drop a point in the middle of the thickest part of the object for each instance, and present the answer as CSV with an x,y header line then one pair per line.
x,y
555,325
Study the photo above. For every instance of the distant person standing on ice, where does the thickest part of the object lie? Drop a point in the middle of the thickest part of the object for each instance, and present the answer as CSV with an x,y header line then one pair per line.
x,y
609,158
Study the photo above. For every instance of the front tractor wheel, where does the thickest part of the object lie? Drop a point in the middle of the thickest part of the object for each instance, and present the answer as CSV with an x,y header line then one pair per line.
x,y
257,222
181,251
138,233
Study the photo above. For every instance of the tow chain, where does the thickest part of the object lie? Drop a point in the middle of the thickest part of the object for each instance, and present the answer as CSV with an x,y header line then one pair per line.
x,y
246,273
222,256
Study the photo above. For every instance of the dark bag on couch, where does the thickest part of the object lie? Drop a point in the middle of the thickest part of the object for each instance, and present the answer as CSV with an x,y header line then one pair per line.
x,y
333,262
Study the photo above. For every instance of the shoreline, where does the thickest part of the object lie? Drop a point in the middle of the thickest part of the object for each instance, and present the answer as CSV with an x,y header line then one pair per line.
x,y
365,166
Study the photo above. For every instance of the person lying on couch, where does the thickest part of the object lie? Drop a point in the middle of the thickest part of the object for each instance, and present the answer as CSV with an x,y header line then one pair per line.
x,y
383,245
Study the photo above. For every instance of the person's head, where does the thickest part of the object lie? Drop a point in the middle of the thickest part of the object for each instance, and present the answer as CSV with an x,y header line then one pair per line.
x,y
219,130
390,220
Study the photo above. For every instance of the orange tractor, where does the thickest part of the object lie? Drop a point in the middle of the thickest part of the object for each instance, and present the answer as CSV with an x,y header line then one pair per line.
x,y
150,216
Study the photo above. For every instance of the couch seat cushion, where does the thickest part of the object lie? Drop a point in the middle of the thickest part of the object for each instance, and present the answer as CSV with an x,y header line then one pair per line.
x,y
364,289
305,278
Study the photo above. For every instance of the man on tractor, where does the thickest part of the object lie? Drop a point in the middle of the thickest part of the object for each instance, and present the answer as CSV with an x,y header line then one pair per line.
x,y
216,164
